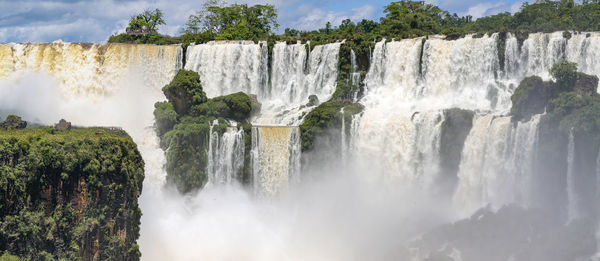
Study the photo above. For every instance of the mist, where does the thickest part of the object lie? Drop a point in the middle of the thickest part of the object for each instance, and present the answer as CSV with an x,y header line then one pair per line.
x,y
340,209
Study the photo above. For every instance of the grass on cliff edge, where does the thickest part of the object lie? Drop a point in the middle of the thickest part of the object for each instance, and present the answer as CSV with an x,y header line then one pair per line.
x,y
76,133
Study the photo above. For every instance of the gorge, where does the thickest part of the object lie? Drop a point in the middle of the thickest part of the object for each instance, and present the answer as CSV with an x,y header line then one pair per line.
x,y
421,158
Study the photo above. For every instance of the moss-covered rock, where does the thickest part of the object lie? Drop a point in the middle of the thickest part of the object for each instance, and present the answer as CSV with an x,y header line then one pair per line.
x,y
237,106
184,123
325,116
13,122
530,98
70,194
586,85
455,128
185,91
165,117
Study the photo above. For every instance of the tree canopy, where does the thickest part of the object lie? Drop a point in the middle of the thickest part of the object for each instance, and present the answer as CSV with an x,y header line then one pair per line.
x,y
402,19
234,22
146,22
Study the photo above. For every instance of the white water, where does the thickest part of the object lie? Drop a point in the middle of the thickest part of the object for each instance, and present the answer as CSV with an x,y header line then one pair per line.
x,y
225,155
95,85
228,67
572,204
497,163
355,75
276,159
398,135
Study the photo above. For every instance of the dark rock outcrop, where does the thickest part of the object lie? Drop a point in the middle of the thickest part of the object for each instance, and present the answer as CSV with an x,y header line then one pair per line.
x,y
63,125
13,122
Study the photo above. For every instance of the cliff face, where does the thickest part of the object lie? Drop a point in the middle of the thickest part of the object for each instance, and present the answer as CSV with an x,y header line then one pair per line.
x,y
70,194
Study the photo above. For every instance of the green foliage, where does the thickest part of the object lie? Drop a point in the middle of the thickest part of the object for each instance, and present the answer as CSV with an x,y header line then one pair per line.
x,y
13,122
569,90
153,38
575,112
165,117
236,106
146,22
8,257
411,18
186,155
234,22
402,19
185,91
325,116
184,122
529,98
565,74
53,182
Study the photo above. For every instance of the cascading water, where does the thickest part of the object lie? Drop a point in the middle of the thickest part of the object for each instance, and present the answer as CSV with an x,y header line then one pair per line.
x,y
355,76
401,125
496,165
95,85
227,67
572,204
225,155
276,159
409,86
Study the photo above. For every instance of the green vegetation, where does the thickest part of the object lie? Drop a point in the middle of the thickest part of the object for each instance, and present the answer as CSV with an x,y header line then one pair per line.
x,y
184,122
534,95
234,22
185,91
237,106
402,19
13,122
529,98
69,194
143,29
146,22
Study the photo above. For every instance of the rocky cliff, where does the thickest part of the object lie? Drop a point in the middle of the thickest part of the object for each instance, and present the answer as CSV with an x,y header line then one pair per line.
x,y
69,194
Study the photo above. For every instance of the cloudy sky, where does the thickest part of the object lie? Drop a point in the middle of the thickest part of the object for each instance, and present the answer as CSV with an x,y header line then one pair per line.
x,y
95,21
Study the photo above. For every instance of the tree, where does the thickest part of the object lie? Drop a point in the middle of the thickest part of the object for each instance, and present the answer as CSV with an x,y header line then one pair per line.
x,y
565,74
146,22
234,22
366,26
411,18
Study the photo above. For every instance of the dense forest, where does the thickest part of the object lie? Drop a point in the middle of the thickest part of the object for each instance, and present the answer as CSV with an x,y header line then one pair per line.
x,y
68,194
403,19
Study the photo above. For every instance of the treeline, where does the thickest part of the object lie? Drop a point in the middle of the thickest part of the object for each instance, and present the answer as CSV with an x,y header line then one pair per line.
x,y
403,19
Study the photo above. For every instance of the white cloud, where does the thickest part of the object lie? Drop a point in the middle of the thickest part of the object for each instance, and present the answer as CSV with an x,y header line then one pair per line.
x,y
95,21
310,17
481,9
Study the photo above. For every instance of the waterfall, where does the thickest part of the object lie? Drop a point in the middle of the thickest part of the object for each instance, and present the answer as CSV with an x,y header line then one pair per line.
x,y
95,85
275,159
228,67
344,145
225,155
572,204
92,70
497,163
409,85
355,76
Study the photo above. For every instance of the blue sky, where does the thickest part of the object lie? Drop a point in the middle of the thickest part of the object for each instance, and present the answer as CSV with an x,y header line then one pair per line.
x,y
94,21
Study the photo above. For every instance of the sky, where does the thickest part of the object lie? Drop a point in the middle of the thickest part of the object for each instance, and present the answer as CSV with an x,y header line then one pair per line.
x,y
95,21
